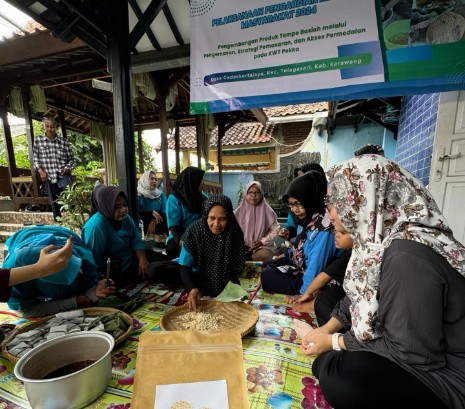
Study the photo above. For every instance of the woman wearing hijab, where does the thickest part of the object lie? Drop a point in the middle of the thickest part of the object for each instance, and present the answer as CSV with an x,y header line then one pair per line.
x,y
397,338
49,262
313,248
112,234
290,228
74,286
212,251
259,223
151,203
183,207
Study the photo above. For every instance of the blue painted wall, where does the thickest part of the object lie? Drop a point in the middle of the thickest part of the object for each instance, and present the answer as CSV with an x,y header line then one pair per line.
x,y
344,141
417,127
231,183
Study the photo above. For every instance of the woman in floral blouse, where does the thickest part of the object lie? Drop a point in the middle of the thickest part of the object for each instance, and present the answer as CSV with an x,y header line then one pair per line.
x,y
397,339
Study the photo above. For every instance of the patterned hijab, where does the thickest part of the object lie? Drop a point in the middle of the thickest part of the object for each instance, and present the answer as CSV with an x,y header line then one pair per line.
x,y
378,201
218,257
143,186
186,188
255,220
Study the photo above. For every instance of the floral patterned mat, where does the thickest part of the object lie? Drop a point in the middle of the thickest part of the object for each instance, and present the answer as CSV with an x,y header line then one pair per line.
x,y
278,374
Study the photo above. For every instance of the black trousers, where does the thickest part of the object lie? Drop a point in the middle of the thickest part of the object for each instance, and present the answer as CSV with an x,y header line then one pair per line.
x,y
274,281
366,380
325,302
53,191
173,249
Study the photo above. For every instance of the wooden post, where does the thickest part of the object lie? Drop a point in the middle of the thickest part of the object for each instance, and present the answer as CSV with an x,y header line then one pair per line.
x,y
61,117
161,81
119,66
221,133
177,148
197,133
25,93
140,149
10,154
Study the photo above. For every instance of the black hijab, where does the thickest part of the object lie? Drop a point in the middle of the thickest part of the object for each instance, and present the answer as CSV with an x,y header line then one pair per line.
x,y
186,188
310,190
219,258
104,201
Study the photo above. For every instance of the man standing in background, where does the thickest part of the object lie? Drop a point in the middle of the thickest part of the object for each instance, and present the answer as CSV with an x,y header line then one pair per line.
x,y
54,161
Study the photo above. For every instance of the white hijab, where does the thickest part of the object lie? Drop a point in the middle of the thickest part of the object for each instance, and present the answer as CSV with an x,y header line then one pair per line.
x,y
143,186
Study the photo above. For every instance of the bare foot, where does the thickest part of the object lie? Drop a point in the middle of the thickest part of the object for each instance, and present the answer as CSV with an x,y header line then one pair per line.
x,y
306,306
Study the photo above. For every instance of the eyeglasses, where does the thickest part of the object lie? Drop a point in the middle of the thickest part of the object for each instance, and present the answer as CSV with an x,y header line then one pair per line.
x,y
254,193
297,205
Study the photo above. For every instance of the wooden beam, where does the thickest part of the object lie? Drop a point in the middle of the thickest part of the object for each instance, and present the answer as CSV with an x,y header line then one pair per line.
x,y
147,18
170,57
172,24
35,47
138,12
260,115
92,69
91,17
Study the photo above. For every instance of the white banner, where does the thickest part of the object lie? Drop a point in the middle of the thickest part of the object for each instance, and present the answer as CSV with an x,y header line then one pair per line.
x,y
242,49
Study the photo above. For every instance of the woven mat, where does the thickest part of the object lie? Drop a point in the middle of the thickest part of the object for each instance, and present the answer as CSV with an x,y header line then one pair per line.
x,y
276,369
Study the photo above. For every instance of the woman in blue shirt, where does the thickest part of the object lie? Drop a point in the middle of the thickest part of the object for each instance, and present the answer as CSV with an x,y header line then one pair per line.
x,y
184,207
151,203
313,247
112,233
75,286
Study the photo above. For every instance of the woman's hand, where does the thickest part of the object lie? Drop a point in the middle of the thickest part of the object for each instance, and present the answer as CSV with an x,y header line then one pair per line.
x,y
50,263
297,299
104,288
143,264
316,343
256,245
193,299
84,302
151,227
284,233
157,217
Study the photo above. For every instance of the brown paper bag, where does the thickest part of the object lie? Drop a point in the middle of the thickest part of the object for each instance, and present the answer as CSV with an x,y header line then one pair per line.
x,y
173,357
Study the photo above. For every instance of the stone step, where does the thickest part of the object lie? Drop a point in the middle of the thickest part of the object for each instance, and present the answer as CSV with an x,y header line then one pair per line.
x,y
13,227
27,217
5,235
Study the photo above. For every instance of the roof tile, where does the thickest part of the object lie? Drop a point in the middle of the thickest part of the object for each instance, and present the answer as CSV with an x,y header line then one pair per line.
x,y
299,109
242,133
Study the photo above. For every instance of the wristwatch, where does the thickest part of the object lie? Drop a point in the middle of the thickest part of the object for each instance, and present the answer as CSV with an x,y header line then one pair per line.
x,y
335,341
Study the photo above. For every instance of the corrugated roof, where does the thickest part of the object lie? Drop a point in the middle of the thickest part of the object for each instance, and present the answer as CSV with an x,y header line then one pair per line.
x,y
299,109
238,134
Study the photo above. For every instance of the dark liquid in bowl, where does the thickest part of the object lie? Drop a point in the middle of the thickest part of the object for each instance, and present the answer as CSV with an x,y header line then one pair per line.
x,y
68,369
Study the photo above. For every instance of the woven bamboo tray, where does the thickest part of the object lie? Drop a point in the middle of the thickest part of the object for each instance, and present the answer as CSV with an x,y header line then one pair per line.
x,y
236,316
92,312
